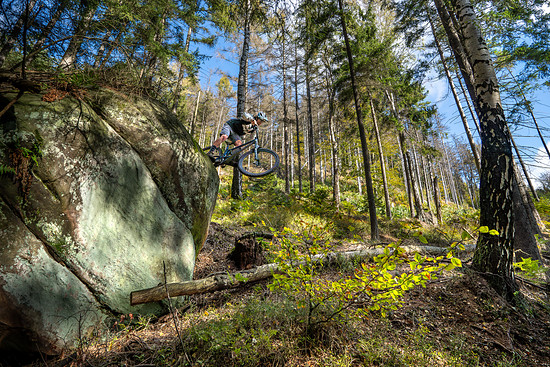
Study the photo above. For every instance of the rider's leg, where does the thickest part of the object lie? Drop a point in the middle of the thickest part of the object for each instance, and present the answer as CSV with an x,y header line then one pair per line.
x,y
220,140
215,150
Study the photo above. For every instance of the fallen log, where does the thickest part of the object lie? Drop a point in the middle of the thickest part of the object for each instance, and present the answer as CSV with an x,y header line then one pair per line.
x,y
221,281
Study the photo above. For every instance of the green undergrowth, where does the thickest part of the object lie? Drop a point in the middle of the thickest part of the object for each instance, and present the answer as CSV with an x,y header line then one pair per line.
x,y
269,330
265,205
267,333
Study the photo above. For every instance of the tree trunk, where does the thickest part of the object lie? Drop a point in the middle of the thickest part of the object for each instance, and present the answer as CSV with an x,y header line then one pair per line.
x,y
437,200
41,39
242,87
194,120
298,152
286,149
456,97
69,58
494,254
524,169
419,212
528,106
102,48
310,140
334,154
406,171
525,244
366,156
382,165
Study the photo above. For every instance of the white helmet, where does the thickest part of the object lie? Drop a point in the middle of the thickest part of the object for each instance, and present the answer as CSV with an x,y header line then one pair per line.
x,y
248,117
261,116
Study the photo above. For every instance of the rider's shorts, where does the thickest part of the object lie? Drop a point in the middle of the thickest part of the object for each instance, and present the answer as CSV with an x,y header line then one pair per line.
x,y
226,130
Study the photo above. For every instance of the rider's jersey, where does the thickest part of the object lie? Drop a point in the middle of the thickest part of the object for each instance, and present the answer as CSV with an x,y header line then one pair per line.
x,y
239,126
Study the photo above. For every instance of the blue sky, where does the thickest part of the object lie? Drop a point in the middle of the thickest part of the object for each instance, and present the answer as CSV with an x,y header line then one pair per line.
x,y
527,139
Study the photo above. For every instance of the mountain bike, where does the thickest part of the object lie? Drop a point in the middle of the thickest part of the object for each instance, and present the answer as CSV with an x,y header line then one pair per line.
x,y
255,162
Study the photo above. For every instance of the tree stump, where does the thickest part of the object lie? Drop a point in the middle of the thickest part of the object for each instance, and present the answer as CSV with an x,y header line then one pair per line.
x,y
248,252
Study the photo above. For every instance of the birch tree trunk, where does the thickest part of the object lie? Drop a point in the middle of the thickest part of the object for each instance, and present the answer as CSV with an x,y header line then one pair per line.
x,y
494,253
69,58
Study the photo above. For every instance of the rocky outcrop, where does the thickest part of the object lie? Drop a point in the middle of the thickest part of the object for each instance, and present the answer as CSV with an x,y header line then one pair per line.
x,y
100,194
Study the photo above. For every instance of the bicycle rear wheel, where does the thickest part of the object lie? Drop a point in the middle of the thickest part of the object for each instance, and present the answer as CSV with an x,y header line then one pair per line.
x,y
267,162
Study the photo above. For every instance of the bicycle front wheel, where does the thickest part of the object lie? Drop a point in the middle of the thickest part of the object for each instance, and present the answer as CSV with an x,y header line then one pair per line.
x,y
267,161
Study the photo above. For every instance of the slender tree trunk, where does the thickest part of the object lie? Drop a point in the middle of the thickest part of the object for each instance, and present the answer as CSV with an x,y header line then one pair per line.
x,y
110,49
298,152
414,189
333,144
218,126
286,149
528,106
335,159
69,58
41,39
242,88
194,120
102,48
437,200
406,171
366,156
525,244
292,163
470,108
310,140
382,165
415,167
524,169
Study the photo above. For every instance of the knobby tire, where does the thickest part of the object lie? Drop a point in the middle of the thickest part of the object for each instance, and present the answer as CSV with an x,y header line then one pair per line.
x,y
269,162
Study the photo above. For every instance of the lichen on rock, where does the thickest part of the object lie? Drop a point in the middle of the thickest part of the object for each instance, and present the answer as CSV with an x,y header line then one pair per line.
x,y
120,200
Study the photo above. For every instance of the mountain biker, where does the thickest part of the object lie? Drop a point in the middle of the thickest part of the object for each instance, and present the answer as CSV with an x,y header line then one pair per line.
x,y
235,129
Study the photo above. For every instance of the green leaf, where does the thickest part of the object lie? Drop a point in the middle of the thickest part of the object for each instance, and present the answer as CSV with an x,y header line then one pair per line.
x,y
422,239
240,277
450,267
493,232
465,235
456,262
483,229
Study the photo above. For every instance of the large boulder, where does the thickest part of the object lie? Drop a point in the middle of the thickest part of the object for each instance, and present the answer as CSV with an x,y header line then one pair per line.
x,y
101,194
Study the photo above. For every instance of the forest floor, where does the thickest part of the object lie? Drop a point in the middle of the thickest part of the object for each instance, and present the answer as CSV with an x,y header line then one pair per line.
x,y
457,320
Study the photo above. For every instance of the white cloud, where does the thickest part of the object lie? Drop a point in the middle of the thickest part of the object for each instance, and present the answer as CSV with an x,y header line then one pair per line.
x,y
437,89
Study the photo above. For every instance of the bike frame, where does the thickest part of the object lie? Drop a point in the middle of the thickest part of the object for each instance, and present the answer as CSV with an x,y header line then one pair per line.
x,y
228,153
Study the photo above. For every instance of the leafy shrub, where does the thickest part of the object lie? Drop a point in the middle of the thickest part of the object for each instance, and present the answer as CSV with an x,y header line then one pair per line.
x,y
529,268
373,287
